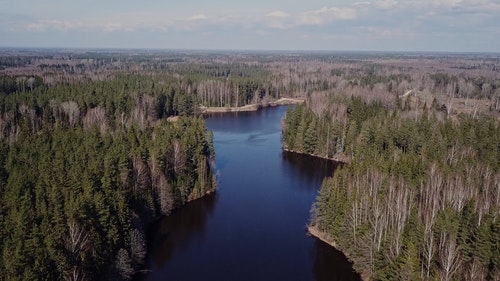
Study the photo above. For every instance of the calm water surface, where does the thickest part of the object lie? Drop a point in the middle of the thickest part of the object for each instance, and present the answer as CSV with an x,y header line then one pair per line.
x,y
254,227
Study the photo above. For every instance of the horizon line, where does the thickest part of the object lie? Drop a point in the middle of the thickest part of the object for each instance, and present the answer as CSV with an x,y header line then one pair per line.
x,y
63,48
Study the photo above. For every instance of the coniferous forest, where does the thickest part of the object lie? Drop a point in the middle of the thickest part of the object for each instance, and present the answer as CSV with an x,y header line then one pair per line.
x,y
85,168
97,145
94,147
418,197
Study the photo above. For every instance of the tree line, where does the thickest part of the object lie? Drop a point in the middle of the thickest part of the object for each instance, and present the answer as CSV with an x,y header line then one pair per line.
x,y
419,197
239,78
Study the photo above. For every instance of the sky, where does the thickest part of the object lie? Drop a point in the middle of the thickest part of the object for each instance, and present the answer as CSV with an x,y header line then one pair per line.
x,y
381,25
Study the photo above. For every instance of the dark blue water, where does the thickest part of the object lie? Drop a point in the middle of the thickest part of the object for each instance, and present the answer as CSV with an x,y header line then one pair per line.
x,y
254,227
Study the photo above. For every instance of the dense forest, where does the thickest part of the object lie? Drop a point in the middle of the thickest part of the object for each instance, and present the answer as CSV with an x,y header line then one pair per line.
x,y
85,167
419,197
95,145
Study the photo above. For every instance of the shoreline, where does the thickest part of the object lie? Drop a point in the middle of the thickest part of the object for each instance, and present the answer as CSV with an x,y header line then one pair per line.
x,y
341,160
144,270
314,231
250,107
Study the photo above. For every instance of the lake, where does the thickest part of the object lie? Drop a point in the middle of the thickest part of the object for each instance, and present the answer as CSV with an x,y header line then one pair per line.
x,y
254,226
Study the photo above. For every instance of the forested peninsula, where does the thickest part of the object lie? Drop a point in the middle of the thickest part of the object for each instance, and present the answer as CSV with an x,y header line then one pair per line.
x,y
418,197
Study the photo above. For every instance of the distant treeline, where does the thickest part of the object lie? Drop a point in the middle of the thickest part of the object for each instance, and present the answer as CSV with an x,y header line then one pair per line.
x,y
85,167
419,198
239,78
210,88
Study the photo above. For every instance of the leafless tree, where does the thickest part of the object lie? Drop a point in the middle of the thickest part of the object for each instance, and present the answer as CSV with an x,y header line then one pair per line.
x,y
124,264
75,274
30,114
449,256
474,271
179,161
318,102
77,240
95,116
455,193
140,173
428,253
430,202
399,200
429,206
137,246
71,110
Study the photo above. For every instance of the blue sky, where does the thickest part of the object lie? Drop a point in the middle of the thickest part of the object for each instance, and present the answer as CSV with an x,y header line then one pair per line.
x,y
382,25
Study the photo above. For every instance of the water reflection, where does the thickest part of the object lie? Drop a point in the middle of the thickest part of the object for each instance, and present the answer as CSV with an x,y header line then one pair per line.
x,y
256,231
332,265
236,122
175,233
306,168
329,263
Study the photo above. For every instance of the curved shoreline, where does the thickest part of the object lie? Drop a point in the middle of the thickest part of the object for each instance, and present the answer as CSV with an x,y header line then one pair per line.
x,y
325,237
250,107
341,160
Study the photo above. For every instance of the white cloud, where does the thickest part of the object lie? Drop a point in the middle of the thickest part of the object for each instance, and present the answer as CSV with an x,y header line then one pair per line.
x,y
277,19
368,19
361,4
319,17
442,6
59,25
278,14
114,26
327,15
110,25
198,17
377,12
386,4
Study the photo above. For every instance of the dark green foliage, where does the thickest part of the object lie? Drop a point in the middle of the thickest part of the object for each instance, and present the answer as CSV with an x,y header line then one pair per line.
x,y
378,208
85,167
304,131
12,84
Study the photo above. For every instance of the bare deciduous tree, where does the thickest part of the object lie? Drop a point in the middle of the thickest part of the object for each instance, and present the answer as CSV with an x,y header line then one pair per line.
x,y
179,161
77,240
449,256
95,116
75,274
71,110
474,271
140,173
137,246
124,264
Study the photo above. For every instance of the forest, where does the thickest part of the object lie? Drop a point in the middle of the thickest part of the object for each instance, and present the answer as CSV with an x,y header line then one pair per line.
x,y
418,196
86,167
95,145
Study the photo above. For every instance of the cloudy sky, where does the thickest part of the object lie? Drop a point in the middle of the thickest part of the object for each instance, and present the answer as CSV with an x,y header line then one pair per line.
x,y
382,25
